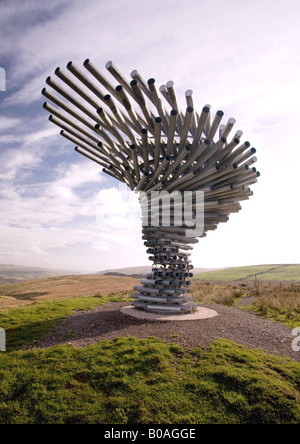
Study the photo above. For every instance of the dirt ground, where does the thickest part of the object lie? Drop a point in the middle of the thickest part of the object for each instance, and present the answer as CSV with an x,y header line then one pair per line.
x,y
242,327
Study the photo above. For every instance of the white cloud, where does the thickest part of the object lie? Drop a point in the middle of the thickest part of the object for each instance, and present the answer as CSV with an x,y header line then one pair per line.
x,y
239,56
7,123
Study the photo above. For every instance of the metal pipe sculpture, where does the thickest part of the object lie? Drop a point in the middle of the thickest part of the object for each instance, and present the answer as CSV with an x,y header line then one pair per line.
x,y
153,146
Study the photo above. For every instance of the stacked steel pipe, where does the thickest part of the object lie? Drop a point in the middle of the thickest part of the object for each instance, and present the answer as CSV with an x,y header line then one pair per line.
x,y
141,137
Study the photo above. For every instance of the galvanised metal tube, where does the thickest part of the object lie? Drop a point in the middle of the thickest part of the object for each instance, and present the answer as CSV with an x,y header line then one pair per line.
x,y
63,105
71,99
101,147
110,66
247,182
186,127
130,178
244,157
200,126
229,125
75,133
210,152
56,112
113,146
142,83
207,124
238,135
235,154
145,144
90,151
99,76
107,123
205,178
139,98
157,141
164,92
221,129
135,162
85,80
231,178
147,290
192,158
143,180
87,155
149,281
215,124
190,102
171,132
246,161
68,81
114,175
137,121
105,162
120,118
184,152
174,104
172,185
223,153
157,173
158,104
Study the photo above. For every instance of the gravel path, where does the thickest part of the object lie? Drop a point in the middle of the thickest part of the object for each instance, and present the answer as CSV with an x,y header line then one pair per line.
x,y
106,322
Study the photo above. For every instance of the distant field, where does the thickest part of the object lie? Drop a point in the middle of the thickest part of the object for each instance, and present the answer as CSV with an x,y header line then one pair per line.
x,y
143,270
16,273
25,293
282,273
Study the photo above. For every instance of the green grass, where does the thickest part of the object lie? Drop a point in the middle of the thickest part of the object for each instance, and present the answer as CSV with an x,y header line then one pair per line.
x,y
32,323
279,306
282,273
209,293
278,302
130,380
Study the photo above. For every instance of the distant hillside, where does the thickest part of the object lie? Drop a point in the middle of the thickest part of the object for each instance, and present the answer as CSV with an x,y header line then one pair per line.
x,y
64,287
281,273
10,274
142,271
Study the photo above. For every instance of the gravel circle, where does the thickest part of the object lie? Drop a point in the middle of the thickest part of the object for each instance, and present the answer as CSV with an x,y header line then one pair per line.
x,y
106,322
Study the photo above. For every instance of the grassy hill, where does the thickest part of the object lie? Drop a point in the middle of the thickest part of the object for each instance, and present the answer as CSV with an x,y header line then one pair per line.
x,y
62,287
143,270
279,273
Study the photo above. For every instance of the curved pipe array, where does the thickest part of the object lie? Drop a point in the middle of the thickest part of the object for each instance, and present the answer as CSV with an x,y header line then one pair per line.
x,y
139,135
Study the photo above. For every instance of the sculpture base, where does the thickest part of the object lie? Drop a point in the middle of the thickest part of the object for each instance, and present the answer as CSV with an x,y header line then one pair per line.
x,y
160,308
166,288
199,314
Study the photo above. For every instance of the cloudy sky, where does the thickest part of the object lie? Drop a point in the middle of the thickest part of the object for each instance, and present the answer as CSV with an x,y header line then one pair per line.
x,y
242,56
